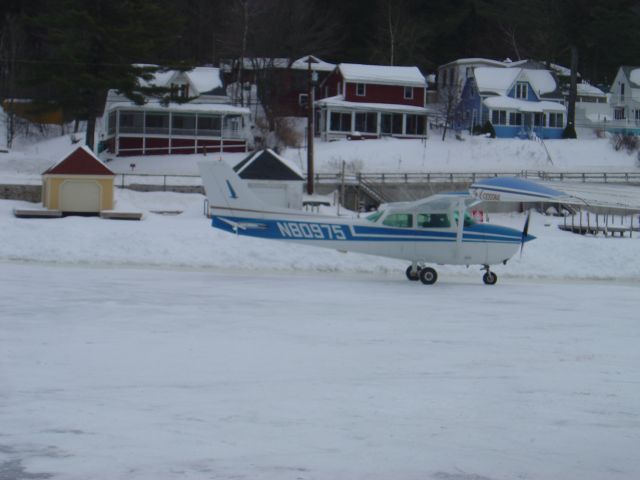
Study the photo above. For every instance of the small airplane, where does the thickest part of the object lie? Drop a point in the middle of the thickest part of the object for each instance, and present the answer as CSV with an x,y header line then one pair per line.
x,y
435,230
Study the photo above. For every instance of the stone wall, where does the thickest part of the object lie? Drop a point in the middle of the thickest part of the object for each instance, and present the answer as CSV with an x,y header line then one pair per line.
x,y
28,193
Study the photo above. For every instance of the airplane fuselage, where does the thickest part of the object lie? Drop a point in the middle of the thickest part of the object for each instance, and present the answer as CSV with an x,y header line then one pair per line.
x,y
480,244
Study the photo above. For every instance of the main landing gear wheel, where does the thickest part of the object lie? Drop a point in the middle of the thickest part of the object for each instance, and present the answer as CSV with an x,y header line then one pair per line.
x,y
412,275
490,278
428,276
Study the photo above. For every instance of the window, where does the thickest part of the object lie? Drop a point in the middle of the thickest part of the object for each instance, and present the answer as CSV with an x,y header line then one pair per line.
x,y
391,124
400,220
469,72
232,124
112,123
408,93
183,124
538,119
367,122
521,90
302,99
515,118
433,220
340,122
415,125
499,117
361,89
209,125
131,122
556,120
468,219
618,113
339,88
621,92
375,216
637,115
157,123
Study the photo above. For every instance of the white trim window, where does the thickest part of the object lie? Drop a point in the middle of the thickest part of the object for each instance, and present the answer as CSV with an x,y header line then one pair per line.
x,y
340,122
408,93
302,99
637,116
618,113
515,119
361,89
556,120
499,117
522,90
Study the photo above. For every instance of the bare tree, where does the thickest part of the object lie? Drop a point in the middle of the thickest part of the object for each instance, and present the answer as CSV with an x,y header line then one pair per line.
x,y
10,42
449,98
400,34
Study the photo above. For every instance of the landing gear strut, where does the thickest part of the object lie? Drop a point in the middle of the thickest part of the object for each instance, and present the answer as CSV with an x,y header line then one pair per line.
x,y
489,278
426,275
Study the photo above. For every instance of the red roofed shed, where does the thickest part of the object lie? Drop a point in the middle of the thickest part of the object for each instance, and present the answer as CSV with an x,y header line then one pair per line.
x,y
78,183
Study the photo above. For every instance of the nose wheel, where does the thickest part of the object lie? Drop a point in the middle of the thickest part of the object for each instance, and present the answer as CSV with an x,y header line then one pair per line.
x,y
413,272
489,278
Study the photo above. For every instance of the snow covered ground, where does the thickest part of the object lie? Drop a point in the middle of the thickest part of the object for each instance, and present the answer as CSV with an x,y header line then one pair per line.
x,y
474,154
146,373
167,349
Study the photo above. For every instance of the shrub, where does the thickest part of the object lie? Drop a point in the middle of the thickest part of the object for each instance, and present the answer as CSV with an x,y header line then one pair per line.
x,y
487,128
625,141
569,131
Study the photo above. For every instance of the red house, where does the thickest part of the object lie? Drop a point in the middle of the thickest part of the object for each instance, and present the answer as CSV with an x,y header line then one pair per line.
x,y
371,101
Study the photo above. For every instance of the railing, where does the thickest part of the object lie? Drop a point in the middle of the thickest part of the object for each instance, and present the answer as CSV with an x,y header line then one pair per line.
x,y
125,179
467,177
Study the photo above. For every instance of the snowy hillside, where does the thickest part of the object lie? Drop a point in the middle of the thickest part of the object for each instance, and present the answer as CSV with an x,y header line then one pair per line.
x,y
474,154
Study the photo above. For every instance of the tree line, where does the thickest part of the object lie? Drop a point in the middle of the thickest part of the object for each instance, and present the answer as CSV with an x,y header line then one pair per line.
x,y
68,53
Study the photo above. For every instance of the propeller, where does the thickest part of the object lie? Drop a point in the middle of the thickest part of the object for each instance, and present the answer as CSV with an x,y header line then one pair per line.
x,y
525,233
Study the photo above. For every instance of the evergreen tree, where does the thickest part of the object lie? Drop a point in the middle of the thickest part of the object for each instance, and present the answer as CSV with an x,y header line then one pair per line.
x,y
91,47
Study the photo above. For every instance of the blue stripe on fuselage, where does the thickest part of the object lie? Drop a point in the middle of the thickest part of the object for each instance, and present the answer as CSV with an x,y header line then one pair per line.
x,y
296,230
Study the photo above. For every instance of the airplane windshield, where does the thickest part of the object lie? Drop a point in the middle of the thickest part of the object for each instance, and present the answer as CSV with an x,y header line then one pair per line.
x,y
468,219
374,216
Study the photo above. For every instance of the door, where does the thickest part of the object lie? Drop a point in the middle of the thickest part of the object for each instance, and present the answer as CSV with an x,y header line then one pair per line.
x,y
80,196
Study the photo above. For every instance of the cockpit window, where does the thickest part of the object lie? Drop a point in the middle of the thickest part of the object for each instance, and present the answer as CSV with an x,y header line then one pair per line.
x,y
401,220
468,219
374,216
433,220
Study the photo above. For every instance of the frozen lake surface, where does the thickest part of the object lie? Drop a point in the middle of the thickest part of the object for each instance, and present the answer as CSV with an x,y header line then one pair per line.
x,y
152,373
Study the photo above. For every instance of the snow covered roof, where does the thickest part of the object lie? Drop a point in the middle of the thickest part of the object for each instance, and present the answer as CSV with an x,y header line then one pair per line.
x,y
183,107
203,79
316,64
500,80
339,102
382,74
588,90
81,161
523,105
497,80
634,76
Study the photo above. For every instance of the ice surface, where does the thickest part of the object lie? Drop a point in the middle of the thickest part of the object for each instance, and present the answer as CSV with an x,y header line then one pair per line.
x,y
154,373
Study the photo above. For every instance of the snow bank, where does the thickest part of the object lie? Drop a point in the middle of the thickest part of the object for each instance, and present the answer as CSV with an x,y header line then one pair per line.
x,y
187,240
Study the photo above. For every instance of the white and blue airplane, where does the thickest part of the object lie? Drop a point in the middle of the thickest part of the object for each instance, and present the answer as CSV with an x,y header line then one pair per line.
x,y
434,230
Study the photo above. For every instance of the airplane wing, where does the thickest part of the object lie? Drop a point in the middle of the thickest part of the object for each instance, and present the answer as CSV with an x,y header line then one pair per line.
x,y
513,189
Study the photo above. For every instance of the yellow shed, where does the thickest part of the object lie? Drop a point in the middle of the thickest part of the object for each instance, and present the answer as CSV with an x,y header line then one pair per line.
x,y
79,183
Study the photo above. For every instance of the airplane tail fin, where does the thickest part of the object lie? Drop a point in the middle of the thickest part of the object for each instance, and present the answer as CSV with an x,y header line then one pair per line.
x,y
225,190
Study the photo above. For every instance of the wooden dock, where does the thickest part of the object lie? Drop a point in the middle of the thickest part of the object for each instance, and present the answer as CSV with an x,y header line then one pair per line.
x,y
605,224
36,213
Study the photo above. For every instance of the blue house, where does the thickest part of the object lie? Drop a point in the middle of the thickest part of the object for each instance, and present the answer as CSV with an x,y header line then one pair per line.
x,y
519,102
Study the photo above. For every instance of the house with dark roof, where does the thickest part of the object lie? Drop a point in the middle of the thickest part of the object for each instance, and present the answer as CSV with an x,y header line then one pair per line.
x,y
519,102
79,183
372,101
273,178
625,100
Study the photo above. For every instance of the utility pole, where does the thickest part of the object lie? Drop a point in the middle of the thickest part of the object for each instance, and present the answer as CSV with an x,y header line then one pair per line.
x,y
310,127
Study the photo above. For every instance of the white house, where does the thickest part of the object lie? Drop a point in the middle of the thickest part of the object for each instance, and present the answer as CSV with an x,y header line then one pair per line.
x,y
625,99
